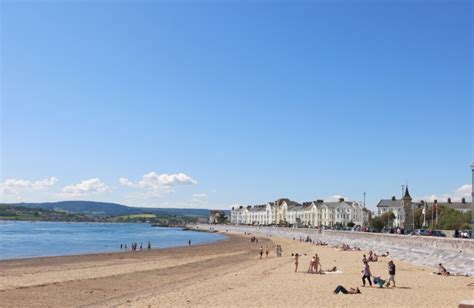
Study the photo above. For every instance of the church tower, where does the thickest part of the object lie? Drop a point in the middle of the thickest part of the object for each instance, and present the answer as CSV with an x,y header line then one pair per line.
x,y
408,210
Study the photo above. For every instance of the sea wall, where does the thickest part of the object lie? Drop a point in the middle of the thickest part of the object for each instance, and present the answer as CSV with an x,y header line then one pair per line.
x,y
456,254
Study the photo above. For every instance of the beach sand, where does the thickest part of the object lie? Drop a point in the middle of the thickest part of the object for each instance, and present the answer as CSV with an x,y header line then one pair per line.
x,y
226,274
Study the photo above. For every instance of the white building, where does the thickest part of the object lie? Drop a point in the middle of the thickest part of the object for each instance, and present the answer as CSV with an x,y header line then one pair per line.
x,y
311,214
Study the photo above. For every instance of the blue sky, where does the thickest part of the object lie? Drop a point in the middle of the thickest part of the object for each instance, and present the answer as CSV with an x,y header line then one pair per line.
x,y
210,104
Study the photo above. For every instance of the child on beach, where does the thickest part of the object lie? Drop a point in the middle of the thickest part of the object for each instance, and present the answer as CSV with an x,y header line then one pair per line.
x,y
261,252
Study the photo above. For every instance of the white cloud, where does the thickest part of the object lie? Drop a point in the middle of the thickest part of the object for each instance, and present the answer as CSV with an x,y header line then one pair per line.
x,y
462,192
86,187
14,186
333,198
158,184
203,195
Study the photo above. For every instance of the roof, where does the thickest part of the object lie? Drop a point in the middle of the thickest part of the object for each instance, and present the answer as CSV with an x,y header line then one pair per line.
x,y
458,205
389,203
407,194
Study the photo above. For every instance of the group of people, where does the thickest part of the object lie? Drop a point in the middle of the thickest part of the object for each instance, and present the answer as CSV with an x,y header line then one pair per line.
x,y
267,251
134,246
314,265
346,247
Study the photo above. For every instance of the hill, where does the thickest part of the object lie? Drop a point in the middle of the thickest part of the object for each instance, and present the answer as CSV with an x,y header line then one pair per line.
x,y
112,209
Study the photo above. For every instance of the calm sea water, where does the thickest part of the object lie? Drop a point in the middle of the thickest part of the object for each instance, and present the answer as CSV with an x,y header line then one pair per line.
x,y
38,239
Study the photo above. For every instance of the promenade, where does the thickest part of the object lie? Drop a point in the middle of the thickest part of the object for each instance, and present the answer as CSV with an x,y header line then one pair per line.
x,y
456,254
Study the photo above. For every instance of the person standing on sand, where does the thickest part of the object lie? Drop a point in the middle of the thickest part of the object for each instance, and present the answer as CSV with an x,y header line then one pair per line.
x,y
266,252
149,245
121,246
317,264
366,274
189,243
141,246
311,265
296,262
261,252
391,273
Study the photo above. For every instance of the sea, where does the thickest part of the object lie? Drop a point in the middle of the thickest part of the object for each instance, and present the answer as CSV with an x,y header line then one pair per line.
x,y
22,239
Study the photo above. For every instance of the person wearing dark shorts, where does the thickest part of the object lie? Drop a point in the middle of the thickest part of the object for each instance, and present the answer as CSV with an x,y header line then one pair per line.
x,y
366,274
341,289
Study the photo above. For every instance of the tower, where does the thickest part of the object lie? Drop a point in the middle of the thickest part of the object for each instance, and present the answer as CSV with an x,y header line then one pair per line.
x,y
406,205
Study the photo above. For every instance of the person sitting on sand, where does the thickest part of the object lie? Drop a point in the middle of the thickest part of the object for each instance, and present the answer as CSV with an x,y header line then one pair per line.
x,y
442,270
375,258
341,289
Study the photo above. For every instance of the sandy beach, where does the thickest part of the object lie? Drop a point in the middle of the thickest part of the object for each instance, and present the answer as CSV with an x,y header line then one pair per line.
x,y
225,274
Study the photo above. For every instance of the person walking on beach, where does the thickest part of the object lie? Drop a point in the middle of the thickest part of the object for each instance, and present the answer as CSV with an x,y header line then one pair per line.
x,y
296,261
266,252
121,246
189,243
149,245
366,274
261,252
391,273
141,246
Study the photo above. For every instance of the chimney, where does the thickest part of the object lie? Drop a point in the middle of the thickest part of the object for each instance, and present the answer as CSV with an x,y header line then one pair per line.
x,y
463,200
393,198
449,200
341,199
320,201
436,201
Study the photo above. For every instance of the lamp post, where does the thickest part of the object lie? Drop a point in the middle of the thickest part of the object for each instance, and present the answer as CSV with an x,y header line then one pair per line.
x,y
472,183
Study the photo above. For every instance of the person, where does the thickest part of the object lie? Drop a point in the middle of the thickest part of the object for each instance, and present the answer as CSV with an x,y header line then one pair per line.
x,y
311,265
125,247
341,289
261,252
332,270
316,264
189,242
364,259
121,246
391,273
266,251
296,261
149,245
379,281
456,233
141,246
366,274
442,270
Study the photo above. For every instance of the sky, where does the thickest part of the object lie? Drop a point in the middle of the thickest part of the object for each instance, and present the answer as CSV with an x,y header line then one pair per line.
x,y
210,104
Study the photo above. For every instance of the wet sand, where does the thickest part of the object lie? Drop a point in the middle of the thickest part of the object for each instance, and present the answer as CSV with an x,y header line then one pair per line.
x,y
224,274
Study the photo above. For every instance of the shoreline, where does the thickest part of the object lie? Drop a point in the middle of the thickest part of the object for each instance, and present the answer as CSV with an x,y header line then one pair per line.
x,y
110,253
219,274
